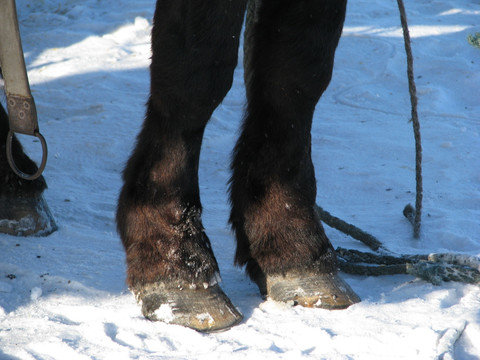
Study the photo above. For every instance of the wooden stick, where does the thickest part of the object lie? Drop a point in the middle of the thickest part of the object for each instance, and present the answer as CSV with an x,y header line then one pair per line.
x,y
416,123
348,229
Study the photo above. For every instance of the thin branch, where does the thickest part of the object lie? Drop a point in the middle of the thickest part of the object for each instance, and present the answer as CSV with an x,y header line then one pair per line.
x,y
368,270
416,124
355,256
348,229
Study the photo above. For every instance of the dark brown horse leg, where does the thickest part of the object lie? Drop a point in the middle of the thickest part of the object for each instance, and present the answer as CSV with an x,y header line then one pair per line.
x,y
171,267
289,54
23,209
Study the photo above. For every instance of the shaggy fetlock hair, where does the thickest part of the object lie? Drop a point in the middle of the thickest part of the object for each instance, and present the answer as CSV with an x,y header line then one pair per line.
x,y
159,214
275,236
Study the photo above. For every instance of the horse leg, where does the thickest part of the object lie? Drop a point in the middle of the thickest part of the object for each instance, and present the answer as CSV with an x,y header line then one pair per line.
x,y
171,268
23,209
289,53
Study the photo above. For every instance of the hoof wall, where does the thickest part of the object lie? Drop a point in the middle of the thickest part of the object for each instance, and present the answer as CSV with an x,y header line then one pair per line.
x,y
25,216
326,291
202,309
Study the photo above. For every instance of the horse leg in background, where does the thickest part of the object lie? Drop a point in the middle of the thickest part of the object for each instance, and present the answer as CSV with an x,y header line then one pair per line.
x,y
289,53
23,209
171,268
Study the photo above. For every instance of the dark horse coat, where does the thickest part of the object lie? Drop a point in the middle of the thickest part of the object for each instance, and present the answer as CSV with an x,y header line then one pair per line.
x,y
289,54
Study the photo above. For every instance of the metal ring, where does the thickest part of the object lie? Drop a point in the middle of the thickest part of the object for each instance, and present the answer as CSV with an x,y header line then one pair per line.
x,y
12,162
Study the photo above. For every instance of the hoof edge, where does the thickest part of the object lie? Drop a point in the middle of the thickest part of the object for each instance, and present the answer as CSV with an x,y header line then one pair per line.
x,y
325,291
202,309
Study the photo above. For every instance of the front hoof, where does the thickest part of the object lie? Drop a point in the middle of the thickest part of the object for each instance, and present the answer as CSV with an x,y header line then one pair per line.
x,y
326,291
205,309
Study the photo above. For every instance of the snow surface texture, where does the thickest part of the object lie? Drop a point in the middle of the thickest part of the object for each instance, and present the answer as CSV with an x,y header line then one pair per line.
x,y
64,296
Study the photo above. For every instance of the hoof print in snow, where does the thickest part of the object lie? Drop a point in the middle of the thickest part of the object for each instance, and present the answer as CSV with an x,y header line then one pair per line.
x,y
205,309
325,291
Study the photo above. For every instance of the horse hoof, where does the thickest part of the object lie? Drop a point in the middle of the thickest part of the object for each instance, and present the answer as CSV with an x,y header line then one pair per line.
x,y
205,309
27,215
326,291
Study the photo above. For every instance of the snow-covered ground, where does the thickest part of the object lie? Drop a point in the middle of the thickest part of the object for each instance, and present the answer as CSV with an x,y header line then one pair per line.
x,y
64,296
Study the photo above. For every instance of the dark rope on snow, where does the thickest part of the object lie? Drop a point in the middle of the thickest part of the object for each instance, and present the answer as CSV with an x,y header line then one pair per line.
x,y
433,268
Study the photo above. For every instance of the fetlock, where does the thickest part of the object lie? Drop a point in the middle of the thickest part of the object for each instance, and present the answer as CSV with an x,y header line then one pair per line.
x,y
171,268
165,243
290,258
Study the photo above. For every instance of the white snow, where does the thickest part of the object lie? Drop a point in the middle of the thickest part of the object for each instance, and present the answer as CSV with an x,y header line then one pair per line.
x,y
35,293
88,67
206,317
164,313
